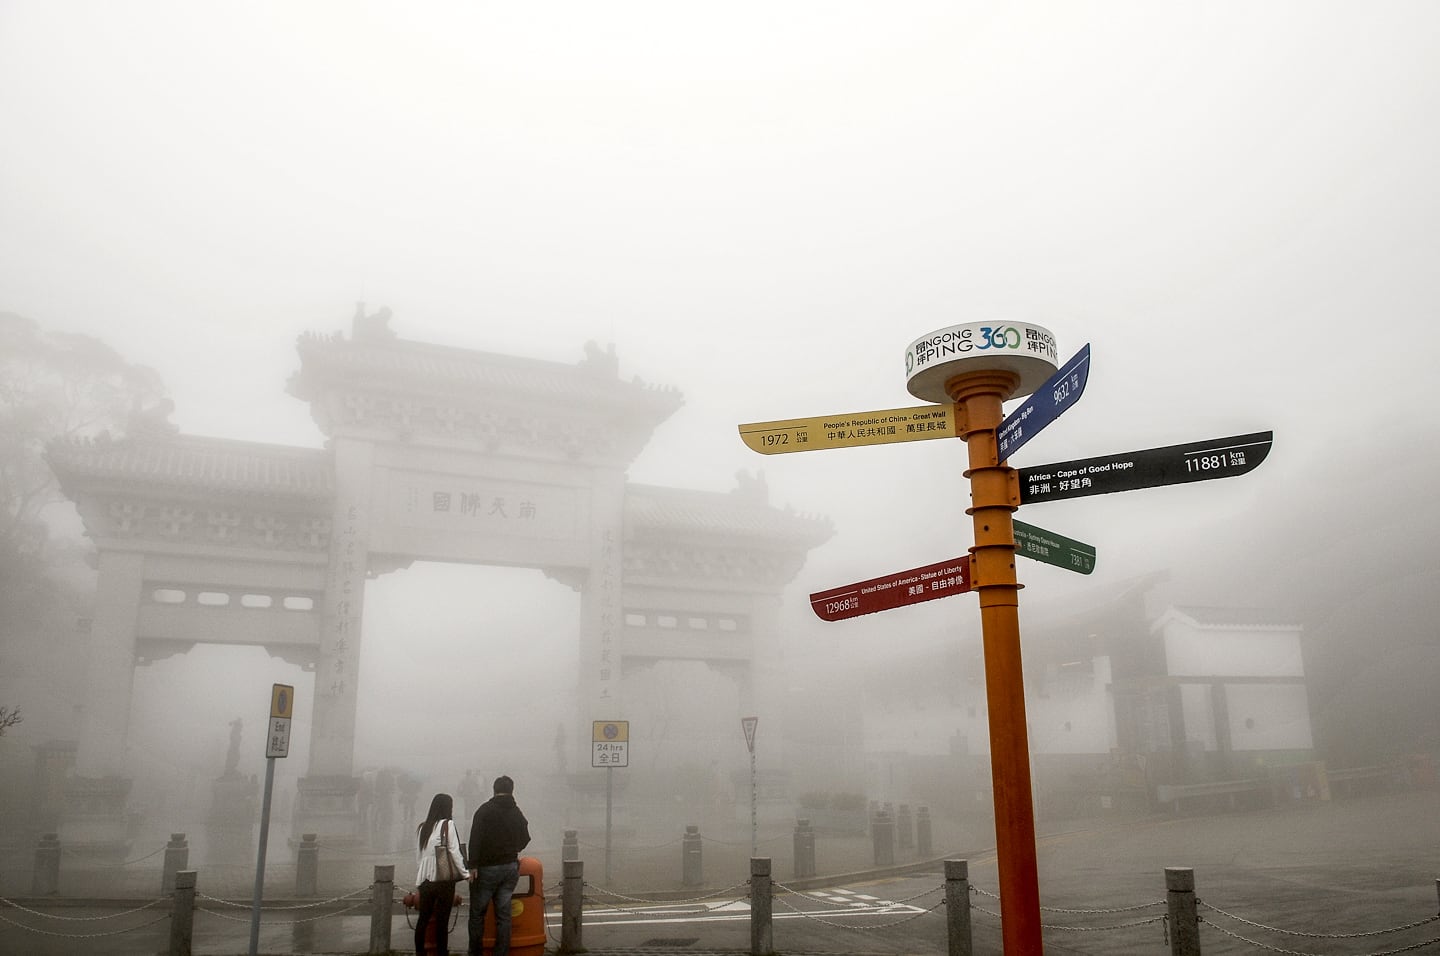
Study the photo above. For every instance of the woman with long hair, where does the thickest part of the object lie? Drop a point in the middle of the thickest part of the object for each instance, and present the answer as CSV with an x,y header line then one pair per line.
x,y
436,899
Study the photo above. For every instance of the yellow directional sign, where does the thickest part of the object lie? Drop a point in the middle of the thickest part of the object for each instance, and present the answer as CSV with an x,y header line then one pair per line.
x,y
848,430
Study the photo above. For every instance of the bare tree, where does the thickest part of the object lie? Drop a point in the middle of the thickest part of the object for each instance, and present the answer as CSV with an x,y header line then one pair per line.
x,y
9,717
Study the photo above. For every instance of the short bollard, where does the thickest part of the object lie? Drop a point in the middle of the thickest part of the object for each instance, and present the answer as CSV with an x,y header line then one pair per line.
x,y
307,866
692,871
804,849
1180,906
882,834
177,856
923,843
46,879
572,899
762,936
957,907
182,914
382,898
570,846
904,828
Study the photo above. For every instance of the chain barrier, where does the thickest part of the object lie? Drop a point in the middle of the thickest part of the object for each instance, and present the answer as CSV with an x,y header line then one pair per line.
x,y
657,846
639,899
765,842
865,928
298,906
76,854
1149,921
1288,932
118,932
1413,947
282,922
83,919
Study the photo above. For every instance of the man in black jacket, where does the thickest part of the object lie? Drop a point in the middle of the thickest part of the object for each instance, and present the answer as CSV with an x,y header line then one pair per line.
x,y
498,832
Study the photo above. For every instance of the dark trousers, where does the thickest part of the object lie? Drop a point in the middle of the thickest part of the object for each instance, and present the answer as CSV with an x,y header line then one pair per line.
x,y
436,901
495,884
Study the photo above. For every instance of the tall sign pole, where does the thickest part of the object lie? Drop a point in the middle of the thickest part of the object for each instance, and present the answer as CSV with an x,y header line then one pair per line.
x,y
748,725
609,748
992,570
969,371
277,744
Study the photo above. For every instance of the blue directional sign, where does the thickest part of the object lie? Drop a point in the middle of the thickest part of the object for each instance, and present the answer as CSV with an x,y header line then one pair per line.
x,y
1046,404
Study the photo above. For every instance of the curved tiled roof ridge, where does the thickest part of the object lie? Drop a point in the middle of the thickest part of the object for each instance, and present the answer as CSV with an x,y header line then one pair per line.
x,y
722,513
220,464
427,362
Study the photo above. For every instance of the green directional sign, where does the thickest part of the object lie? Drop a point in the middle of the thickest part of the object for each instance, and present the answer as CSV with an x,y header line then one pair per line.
x,y
1050,548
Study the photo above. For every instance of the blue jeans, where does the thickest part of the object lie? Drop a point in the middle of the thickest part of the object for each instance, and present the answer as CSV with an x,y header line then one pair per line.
x,y
497,884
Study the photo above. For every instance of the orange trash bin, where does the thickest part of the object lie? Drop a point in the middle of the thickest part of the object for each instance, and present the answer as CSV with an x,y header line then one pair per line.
x,y
527,912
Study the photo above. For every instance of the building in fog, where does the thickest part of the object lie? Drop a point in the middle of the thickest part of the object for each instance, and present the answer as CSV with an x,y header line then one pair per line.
x,y
1127,704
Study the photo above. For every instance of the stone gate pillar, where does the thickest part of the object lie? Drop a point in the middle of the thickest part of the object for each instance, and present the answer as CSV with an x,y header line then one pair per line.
x,y
327,799
95,796
602,617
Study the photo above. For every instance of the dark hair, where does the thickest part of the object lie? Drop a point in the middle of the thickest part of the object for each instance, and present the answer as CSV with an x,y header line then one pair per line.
x,y
504,784
441,808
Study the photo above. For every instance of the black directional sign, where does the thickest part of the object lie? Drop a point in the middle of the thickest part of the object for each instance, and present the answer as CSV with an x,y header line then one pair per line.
x,y
1171,465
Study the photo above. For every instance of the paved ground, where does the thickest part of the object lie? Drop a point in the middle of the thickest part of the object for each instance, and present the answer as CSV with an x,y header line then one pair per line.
x,y
1342,867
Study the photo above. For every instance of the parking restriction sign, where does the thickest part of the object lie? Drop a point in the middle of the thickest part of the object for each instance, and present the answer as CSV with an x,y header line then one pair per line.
x,y
282,706
610,743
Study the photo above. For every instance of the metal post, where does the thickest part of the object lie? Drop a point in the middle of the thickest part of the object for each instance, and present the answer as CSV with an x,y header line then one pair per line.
x,y
572,898
957,907
924,845
979,397
754,807
46,878
260,857
182,914
882,835
177,856
692,871
1180,904
804,849
382,898
570,846
762,937
307,866
609,792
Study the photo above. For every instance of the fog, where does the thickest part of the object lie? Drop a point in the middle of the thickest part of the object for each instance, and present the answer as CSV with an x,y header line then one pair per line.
x,y
761,205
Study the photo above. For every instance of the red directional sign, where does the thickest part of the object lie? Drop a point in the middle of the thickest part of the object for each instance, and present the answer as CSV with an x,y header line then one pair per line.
x,y
893,590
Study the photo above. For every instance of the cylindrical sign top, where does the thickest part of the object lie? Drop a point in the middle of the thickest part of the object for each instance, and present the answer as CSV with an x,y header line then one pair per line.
x,y
1019,347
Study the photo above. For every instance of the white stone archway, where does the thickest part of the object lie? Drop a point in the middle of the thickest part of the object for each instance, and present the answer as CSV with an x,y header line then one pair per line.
x,y
433,454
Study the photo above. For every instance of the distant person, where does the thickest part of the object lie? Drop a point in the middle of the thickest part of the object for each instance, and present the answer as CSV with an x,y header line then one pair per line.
x,y
498,832
436,899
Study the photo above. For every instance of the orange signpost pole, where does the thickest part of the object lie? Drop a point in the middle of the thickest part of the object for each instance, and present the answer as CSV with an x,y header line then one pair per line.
x,y
994,493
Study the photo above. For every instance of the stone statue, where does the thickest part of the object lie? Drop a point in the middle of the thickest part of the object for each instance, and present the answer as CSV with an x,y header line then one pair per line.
x,y
751,487
370,327
232,758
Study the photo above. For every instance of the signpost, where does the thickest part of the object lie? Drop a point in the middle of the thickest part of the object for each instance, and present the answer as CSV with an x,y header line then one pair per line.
x,y
970,370
1050,548
1171,465
1045,404
893,590
748,724
849,430
277,744
609,748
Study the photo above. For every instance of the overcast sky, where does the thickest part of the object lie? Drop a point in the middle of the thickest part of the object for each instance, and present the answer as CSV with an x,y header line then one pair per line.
x,y
762,204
